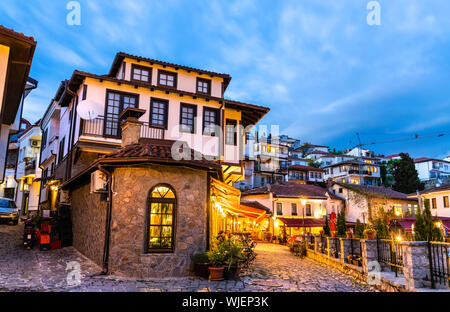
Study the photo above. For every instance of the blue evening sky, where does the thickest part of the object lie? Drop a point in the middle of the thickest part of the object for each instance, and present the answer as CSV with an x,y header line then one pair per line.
x,y
323,71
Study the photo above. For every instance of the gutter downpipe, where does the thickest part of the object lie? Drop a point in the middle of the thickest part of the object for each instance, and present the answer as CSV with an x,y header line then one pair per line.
x,y
108,221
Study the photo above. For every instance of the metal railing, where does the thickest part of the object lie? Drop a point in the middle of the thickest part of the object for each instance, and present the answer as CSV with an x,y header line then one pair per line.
x,y
323,246
337,248
391,254
96,127
439,258
310,242
356,249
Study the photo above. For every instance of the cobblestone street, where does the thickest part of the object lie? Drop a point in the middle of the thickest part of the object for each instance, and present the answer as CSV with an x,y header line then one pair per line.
x,y
275,269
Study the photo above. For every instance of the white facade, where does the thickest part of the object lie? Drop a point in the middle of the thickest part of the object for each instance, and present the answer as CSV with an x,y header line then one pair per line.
x,y
27,198
432,169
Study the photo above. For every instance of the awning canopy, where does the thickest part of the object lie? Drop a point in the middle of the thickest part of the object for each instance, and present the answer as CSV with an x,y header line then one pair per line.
x,y
300,222
225,195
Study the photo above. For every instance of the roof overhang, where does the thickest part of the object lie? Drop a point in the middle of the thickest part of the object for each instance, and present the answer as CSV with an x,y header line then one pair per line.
x,y
20,58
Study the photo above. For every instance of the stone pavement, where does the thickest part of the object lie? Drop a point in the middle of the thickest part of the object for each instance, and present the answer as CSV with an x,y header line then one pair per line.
x,y
275,269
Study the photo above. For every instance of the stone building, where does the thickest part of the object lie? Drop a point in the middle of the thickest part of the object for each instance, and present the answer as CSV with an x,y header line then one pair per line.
x,y
153,215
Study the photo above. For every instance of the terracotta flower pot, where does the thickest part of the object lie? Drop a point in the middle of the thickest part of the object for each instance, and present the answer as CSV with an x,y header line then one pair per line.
x,y
333,234
349,235
201,269
232,273
370,235
216,274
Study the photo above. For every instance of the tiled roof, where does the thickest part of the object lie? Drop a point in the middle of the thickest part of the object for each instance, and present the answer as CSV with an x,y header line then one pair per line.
x,y
289,189
301,167
335,196
444,187
376,191
156,151
16,35
255,204
424,159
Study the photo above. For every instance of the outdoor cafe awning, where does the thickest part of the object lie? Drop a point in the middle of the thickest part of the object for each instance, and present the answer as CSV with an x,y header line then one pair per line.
x,y
300,222
225,195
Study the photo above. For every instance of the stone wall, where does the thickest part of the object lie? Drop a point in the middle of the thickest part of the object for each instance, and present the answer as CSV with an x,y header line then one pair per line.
x,y
88,222
128,229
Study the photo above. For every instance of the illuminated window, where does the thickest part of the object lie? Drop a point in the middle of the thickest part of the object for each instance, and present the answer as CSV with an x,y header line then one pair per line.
x,y
433,203
279,209
308,209
161,219
446,205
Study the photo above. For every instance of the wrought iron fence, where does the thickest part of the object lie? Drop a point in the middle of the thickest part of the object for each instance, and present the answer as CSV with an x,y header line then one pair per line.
x,y
439,256
323,246
311,242
390,253
337,248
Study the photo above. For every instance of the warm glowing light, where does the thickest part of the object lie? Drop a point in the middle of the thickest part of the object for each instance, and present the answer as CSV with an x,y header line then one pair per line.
x,y
438,224
399,238
54,188
303,201
397,212
276,223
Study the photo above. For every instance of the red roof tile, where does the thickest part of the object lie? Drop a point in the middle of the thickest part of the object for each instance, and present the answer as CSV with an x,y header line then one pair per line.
x,y
375,191
303,168
289,189
157,151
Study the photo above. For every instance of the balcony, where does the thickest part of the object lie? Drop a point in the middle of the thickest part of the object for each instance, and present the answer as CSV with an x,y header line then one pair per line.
x,y
365,172
30,166
96,128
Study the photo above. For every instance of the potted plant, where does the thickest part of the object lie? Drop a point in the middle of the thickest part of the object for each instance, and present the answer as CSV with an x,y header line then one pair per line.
x,y
201,264
234,257
369,233
216,257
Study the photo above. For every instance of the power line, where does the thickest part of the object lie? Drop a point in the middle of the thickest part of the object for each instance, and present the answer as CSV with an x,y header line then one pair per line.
x,y
416,137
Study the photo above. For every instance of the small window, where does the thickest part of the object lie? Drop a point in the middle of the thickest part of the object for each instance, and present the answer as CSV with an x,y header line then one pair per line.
x,y
140,73
446,204
279,209
61,150
44,138
203,86
293,209
210,121
308,210
161,219
433,203
188,113
168,79
158,112
230,131
340,190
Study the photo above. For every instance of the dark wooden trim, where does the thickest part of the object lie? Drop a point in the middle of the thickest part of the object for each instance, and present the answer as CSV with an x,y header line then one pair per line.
x,y
149,69
194,130
208,81
217,111
175,212
84,92
124,70
166,113
121,93
175,80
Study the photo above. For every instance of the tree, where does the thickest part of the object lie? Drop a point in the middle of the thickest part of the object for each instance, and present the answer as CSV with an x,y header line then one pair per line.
x,y
405,175
341,227
359,229
326,228
424,227
313,163
382,227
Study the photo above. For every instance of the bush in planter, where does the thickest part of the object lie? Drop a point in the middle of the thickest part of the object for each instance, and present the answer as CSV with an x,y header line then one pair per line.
x,y
216,257
369,232
201,264
233,259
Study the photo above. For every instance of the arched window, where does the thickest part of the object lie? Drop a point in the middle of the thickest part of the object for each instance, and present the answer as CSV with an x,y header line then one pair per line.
x,y
161,219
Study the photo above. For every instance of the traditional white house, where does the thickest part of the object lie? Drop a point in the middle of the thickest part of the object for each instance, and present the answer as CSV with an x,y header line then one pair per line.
x,y
178,103
16,55
28,171
438,199
296,208
364,172
431,168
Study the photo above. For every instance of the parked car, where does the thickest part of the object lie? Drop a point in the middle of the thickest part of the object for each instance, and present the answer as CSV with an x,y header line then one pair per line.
x,y
8,210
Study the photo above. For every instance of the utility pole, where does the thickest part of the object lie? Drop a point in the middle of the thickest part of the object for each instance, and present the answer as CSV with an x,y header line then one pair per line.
x,y
359,159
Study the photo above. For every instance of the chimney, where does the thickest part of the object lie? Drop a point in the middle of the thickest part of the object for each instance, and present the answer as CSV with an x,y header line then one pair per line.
x,y
131,126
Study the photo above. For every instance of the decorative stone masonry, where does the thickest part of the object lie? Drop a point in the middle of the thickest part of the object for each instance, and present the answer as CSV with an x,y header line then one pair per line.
x,y
369,253
416,265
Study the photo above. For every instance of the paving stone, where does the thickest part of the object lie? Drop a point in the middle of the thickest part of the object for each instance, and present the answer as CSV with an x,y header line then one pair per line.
x,y
275,269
